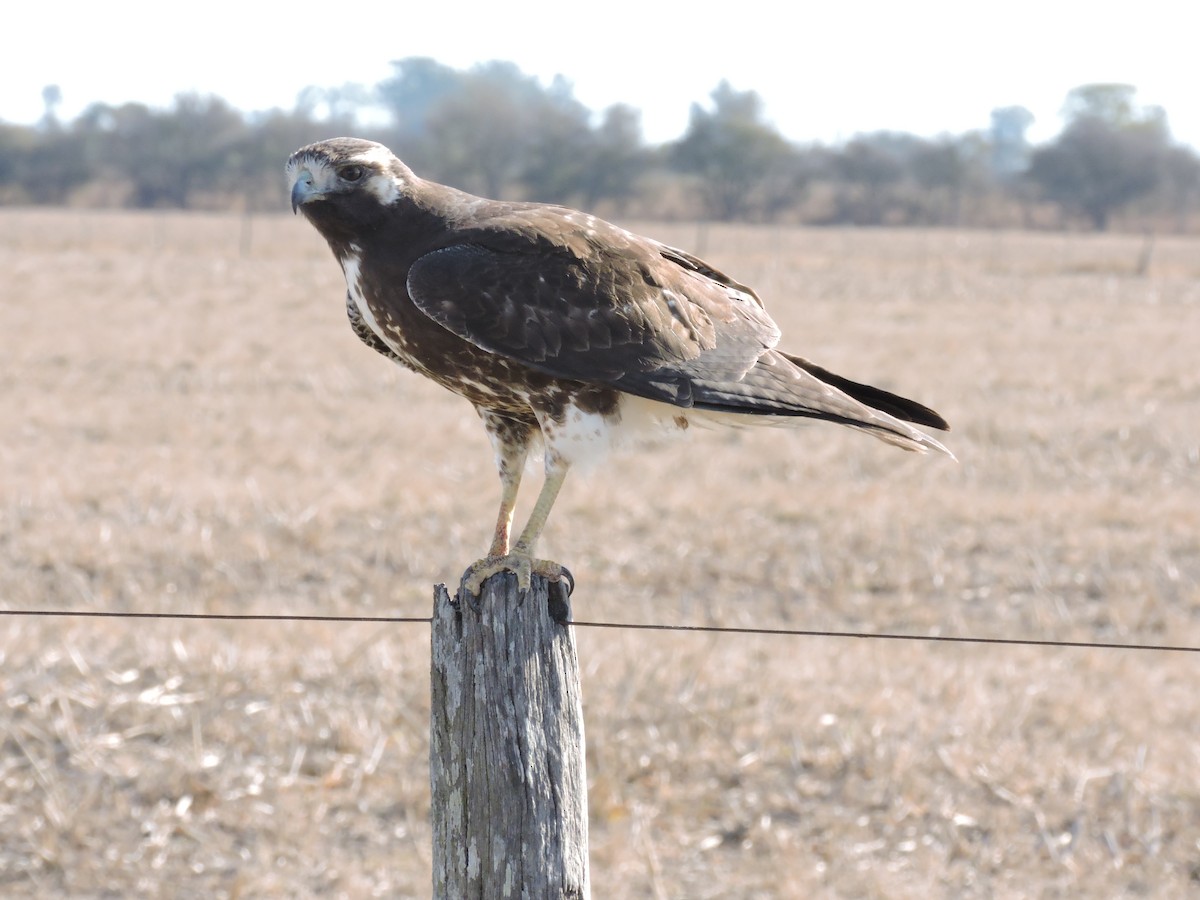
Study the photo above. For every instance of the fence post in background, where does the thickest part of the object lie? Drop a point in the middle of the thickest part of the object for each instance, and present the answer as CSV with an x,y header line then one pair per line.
x,y
506,750
246,233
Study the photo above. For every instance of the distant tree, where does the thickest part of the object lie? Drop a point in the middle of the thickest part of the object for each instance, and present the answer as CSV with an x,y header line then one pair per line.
x,y
741,160
876,160
617,159
560,145
55,169
341,103
1009,142
1094,169
949,170
418,84
496,131
480,133
868,171
166,156
1115,104
40,166
51,100
1180,188
1111,153
15,142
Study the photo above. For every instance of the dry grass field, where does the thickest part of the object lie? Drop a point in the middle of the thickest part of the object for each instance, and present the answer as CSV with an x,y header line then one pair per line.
x,y
188,425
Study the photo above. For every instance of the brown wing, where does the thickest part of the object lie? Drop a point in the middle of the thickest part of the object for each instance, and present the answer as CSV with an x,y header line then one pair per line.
x,y
578,298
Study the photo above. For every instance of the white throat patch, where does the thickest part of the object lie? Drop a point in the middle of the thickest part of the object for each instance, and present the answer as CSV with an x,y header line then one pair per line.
x,y
352,268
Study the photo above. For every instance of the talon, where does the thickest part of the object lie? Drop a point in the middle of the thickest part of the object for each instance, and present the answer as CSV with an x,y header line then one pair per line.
x,y
524,567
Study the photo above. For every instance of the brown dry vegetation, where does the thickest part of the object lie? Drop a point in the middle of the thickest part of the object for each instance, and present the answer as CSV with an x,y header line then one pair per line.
x,y
187,424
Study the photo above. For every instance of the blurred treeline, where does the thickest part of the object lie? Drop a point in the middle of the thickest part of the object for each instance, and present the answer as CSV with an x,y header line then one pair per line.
x,y
496,131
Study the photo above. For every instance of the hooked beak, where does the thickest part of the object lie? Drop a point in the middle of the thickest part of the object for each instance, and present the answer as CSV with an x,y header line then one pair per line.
x,y
303,190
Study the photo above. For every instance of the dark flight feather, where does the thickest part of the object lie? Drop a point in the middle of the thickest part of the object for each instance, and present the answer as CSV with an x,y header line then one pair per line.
x,y
893,404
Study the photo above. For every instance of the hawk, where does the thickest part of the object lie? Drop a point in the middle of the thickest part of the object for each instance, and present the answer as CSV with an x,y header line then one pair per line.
x,y
560,328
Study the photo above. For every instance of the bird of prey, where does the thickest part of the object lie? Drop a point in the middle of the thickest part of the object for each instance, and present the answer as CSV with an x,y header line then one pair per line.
x,y
560,327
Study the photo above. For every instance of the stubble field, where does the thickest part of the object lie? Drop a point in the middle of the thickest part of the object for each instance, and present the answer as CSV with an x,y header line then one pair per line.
x,y
188,425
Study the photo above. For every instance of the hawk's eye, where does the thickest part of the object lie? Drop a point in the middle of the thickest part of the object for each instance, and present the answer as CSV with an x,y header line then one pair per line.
x,y
350,173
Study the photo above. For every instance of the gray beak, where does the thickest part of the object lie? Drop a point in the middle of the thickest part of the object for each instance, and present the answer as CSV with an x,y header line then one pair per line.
x,y
302,190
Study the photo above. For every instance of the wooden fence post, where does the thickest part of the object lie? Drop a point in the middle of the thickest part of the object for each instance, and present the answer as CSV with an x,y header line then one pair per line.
x,y
506,745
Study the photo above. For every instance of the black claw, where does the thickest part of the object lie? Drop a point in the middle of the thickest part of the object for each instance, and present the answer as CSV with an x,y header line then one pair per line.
x,y
476,603
569,579
558,601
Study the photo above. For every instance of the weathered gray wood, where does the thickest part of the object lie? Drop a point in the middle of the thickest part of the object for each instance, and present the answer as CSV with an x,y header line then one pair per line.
x,y
507,749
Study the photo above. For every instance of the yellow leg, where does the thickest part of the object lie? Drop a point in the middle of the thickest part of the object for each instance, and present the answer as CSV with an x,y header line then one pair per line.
x,y
556,474
511,465
521,560
510,440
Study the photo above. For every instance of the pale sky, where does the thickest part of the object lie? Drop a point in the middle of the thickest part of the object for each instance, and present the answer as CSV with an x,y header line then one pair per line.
x,y
826,71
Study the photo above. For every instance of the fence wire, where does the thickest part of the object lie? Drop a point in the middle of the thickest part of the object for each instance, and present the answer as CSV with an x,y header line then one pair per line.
x,y
627,626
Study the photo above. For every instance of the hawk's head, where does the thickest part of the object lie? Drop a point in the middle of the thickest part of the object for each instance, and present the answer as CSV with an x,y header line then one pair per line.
x,y
345,172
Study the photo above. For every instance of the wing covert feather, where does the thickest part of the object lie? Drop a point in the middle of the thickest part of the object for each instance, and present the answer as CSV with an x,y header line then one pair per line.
x,y
613,310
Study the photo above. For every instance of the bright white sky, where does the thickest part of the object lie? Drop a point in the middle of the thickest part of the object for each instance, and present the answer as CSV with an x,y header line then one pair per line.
x,y
825,70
